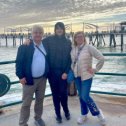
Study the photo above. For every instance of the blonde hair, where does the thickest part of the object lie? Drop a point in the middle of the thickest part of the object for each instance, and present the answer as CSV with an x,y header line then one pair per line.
x,y
75,35
37,28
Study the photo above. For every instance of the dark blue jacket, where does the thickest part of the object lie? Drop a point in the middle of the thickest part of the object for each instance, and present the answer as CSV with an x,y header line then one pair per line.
x,y
24,61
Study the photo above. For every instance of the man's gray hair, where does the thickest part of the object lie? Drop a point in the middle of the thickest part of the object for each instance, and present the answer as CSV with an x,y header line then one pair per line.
x,y
37,28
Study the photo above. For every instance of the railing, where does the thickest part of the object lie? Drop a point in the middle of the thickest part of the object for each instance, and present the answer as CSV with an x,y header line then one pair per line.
x,y
99,73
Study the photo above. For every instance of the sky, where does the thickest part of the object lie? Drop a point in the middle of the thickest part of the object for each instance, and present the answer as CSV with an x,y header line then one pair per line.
x,y
16,13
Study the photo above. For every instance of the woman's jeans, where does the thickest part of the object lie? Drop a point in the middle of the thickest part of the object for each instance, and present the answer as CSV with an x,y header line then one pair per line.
x,y
86,101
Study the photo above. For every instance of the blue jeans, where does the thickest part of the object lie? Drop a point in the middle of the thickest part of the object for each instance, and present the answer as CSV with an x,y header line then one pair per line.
x,y
86,102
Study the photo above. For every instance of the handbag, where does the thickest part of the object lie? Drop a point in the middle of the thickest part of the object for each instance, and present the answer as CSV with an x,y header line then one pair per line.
x,y
70,77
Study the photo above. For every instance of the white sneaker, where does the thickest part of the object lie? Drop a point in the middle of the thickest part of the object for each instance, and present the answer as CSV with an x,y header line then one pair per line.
x,y
82,119
102,118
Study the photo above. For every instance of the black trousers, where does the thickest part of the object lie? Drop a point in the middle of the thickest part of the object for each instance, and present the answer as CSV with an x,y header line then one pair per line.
x,y
59,92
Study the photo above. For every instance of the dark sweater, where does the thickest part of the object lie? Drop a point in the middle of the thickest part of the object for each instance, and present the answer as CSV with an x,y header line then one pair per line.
x,y
58,50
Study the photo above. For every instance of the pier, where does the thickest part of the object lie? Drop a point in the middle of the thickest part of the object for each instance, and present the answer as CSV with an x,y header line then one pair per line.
x,y
113,104
104,26
114,109
96,37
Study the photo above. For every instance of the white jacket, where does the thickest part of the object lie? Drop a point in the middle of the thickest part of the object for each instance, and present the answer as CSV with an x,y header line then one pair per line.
x,y
85,61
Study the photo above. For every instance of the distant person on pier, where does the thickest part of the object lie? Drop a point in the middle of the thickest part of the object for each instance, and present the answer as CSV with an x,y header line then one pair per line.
x,y
21,36
32,69
112,39
82,55
90,38
6,39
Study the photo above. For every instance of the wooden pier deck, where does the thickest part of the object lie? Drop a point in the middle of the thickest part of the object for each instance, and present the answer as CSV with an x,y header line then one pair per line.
x,y
114,109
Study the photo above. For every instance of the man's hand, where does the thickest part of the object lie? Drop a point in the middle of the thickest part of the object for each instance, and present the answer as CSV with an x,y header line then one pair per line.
x,y
23,81
64,76
27,42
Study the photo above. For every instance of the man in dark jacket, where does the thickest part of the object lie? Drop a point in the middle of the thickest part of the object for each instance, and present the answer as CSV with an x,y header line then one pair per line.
x,y
58,50
32,68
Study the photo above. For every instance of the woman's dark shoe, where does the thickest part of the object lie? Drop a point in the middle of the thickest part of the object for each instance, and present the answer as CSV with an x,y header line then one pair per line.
x,y
59,119
67,115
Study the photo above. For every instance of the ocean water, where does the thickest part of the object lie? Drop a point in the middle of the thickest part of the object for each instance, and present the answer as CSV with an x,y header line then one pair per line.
x,y
100,82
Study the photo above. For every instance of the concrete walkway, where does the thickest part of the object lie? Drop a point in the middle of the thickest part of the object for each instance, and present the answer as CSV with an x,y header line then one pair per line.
x,y
114,109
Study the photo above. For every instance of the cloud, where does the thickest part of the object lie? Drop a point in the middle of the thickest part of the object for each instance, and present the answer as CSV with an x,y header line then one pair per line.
x,y
22,12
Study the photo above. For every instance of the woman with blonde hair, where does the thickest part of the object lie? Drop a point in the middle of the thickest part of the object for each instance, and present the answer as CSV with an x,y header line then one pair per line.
x,y
82,55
